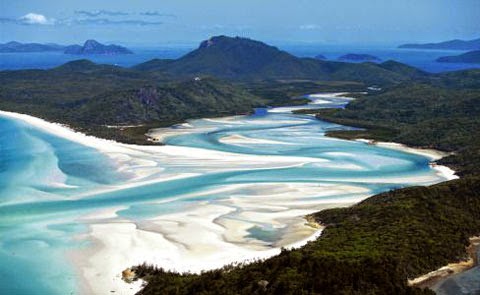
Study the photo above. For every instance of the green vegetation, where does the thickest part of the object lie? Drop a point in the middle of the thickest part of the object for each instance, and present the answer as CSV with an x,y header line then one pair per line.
x,y
92,98
375,246
441,117
292,92
248,60
370,248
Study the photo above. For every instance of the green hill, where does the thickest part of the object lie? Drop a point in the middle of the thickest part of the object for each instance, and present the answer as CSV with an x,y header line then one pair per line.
x,y
403,69
88,96
373,247
245,59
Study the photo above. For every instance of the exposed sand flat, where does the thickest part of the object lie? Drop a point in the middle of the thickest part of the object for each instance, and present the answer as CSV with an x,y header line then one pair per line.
x,y
160,134
143,161
225,223
193,244
445,172
317,100
430,153
434,155
239,139
329,95
206,235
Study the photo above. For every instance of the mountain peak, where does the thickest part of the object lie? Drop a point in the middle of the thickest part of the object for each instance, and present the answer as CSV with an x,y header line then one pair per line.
x,y
216,39
90,43
94,47
246,59
229,57
212,41
223,41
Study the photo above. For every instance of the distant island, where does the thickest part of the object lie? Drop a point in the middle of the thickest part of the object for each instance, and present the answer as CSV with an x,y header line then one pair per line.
x,y
94,47
14,46
449,45
320,56
89,47
468,57
358,57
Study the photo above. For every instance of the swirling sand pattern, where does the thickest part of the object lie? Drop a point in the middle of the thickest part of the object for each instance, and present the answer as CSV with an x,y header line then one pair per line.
x,y
75,210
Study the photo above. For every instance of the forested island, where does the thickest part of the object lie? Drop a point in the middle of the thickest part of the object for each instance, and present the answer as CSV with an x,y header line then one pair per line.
x,y
15,47
94,47
373,247
467,57
449,45
89,47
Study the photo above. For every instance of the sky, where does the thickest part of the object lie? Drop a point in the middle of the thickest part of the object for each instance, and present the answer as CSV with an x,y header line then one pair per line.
x,y
158,22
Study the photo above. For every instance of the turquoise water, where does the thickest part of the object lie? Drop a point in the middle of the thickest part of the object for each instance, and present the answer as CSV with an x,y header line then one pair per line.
x,y
48,184
32,164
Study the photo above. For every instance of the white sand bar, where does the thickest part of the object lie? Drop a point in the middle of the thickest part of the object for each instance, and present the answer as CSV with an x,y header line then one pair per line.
x,y
220,224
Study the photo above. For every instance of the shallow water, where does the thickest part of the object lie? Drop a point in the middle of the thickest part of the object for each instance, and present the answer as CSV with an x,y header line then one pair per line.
x,y
260,172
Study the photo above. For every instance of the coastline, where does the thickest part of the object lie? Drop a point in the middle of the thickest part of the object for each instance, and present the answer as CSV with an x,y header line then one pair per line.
x,y
436,277
434,155
106,235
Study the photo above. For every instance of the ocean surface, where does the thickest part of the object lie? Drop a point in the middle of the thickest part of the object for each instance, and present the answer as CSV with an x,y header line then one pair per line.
x,y
422,59
254,174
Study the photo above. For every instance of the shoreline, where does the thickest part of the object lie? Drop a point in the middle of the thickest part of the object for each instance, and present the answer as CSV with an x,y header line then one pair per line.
x,y
100,233
434,155
433,278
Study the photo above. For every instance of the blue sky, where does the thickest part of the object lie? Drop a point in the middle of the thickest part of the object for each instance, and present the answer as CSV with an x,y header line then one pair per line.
x,y
149,22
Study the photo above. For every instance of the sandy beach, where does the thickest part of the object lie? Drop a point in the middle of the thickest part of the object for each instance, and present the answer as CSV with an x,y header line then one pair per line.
x,y
432,154
205,234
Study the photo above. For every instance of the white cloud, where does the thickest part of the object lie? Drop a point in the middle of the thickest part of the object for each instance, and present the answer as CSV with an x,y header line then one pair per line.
x,y
310,27
36,19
